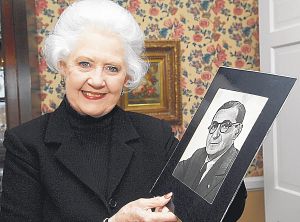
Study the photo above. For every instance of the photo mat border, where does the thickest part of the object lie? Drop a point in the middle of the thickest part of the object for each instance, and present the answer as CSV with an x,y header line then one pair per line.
x,y
188,205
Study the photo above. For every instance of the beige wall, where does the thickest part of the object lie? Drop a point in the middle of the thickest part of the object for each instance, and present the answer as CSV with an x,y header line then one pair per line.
x,y
255,209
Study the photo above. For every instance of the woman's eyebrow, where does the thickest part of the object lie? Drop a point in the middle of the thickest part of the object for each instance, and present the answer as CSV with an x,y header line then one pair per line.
x,y
83,58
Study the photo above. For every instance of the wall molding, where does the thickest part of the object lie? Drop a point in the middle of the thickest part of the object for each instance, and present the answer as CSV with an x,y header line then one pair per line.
x,y
254,183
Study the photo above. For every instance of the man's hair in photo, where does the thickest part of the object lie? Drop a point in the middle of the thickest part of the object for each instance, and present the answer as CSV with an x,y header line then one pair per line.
x,y
241,109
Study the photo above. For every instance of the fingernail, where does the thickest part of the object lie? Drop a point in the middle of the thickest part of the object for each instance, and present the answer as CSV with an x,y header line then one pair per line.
x,y
168,195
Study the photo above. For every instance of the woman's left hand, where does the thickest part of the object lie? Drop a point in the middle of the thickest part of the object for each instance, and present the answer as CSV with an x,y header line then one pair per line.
x,y
141,210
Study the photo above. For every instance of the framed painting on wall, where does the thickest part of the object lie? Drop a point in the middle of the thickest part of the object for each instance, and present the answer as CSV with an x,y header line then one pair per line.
x,y
159,95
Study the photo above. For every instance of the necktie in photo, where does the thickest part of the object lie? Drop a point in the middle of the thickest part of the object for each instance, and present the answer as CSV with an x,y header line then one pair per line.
x,y
198,177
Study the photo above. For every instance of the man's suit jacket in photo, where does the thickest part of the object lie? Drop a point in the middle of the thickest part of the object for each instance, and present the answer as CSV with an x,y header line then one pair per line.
x,y
187,170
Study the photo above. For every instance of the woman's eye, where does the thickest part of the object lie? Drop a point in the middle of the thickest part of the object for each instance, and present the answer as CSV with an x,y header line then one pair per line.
x,y
112,68
84,64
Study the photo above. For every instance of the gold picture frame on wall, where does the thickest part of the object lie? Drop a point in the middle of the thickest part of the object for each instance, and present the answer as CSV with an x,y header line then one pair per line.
x,y
159,95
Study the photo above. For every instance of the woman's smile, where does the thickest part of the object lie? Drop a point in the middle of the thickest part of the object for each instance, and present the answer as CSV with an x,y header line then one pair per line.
x,y
93,95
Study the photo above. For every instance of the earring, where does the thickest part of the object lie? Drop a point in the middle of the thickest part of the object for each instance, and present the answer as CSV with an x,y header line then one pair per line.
x,y
122,92
62,82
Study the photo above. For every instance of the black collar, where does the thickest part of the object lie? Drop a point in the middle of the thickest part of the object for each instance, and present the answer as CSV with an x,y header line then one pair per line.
x,y
58,128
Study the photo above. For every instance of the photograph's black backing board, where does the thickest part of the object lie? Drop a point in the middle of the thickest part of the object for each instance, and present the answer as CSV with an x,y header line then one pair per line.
x,y
270,91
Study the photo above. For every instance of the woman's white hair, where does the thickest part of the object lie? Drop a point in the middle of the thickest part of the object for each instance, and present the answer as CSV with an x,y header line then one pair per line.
x,y
103,15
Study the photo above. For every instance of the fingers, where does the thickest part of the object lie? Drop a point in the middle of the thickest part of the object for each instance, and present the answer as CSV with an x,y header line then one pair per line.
x,y
165,210
155,201
141,210
162,209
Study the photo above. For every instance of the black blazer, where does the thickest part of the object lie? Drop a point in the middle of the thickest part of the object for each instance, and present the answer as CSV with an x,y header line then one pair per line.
x,y
47,178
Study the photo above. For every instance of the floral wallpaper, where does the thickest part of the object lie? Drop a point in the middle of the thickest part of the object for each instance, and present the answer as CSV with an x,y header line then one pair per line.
x,y
212,33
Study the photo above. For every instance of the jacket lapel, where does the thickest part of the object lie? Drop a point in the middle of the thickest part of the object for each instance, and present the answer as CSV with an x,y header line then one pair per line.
x,y
197,162
73,157
228,159
218,172
121,152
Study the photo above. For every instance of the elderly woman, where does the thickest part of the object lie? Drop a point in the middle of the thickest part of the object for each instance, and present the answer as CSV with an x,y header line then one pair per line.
x,y
90,160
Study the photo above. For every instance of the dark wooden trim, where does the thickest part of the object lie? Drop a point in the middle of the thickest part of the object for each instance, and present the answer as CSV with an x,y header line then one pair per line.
x,y
21,65
23,69
10,64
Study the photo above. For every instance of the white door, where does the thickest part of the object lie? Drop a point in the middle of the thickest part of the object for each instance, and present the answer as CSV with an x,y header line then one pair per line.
x,y
280,53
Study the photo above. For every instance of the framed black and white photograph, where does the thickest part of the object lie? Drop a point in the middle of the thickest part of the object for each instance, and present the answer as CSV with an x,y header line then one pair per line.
x,y
212,158
217,141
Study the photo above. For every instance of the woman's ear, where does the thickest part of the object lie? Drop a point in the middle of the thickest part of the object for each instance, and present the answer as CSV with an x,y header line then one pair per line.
x,y
126,80
62,67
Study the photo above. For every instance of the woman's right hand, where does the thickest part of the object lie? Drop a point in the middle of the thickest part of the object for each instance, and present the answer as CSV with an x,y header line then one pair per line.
x,y
141,210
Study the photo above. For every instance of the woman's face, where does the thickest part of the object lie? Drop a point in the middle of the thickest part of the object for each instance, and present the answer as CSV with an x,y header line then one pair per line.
x,y
95,72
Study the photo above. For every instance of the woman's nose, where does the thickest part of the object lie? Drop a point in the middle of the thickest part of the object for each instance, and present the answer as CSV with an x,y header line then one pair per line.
x,y
96,78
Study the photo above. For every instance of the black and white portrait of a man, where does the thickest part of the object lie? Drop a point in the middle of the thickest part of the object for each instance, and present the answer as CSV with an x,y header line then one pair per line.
x,y
208,165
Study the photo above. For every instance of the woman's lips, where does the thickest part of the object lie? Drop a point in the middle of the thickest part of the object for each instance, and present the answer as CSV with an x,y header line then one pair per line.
x,y
93,95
